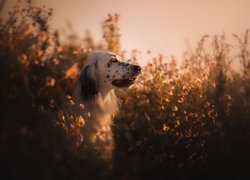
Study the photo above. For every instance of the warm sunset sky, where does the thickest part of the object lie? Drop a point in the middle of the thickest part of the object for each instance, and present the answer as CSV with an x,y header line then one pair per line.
x,y
162,26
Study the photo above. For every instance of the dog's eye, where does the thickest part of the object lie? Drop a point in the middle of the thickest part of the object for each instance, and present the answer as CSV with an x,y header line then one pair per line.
x,y
113,60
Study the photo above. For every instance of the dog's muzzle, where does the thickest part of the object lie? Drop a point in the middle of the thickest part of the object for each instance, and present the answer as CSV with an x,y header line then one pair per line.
x,y
126,82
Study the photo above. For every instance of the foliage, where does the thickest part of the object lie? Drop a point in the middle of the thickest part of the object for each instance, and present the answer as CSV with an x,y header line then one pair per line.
x,y
189,119
177,121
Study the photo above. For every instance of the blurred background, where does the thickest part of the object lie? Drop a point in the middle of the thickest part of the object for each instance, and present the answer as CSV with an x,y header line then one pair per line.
x,y
160,26
186,116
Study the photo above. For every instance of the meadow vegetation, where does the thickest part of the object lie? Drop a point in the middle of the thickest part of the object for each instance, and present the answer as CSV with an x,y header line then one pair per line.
x,y
181,119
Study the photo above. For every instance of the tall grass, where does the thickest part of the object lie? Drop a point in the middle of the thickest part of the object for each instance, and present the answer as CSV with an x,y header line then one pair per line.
x,y
190,119
180,119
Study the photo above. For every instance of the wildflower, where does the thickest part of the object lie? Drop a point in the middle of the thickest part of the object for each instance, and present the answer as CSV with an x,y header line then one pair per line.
x,y
170,92
52,103
181,100
68,97
81,106
63,117
229,97
186,118
177,123
165,127
56,61
167,100
71,118
198,80
80,121
175,108
50,81
71,102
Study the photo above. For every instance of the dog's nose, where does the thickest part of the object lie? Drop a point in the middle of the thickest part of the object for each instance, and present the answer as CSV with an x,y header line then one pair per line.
x,y
137,69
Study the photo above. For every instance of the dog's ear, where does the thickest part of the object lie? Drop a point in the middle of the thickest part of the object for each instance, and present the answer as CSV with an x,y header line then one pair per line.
x,y
88,82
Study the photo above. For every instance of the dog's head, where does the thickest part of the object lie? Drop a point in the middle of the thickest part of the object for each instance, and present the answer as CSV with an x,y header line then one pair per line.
x,y
105,70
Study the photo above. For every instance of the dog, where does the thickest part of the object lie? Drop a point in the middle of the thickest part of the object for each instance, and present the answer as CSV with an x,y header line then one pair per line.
x,y
94,95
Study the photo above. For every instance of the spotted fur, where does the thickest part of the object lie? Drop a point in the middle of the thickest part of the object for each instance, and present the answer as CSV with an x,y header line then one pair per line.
x,y
103,73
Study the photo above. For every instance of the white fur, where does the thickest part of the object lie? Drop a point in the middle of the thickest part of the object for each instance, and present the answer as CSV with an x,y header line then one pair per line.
x,y
95,91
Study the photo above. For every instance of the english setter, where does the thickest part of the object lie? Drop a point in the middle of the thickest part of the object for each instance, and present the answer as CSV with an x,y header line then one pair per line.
x,y
103,72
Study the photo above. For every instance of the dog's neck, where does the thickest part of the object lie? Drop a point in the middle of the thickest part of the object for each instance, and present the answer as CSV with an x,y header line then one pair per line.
x,y
104,91
105,100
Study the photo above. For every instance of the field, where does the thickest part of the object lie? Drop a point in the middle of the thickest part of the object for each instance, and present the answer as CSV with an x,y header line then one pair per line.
x,y
181,119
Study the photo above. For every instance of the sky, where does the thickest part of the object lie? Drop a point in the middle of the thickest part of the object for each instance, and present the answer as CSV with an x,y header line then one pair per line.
x,y
162,26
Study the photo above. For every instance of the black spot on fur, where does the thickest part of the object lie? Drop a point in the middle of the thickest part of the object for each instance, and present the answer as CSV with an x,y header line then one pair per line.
x,y
125,65
107,76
